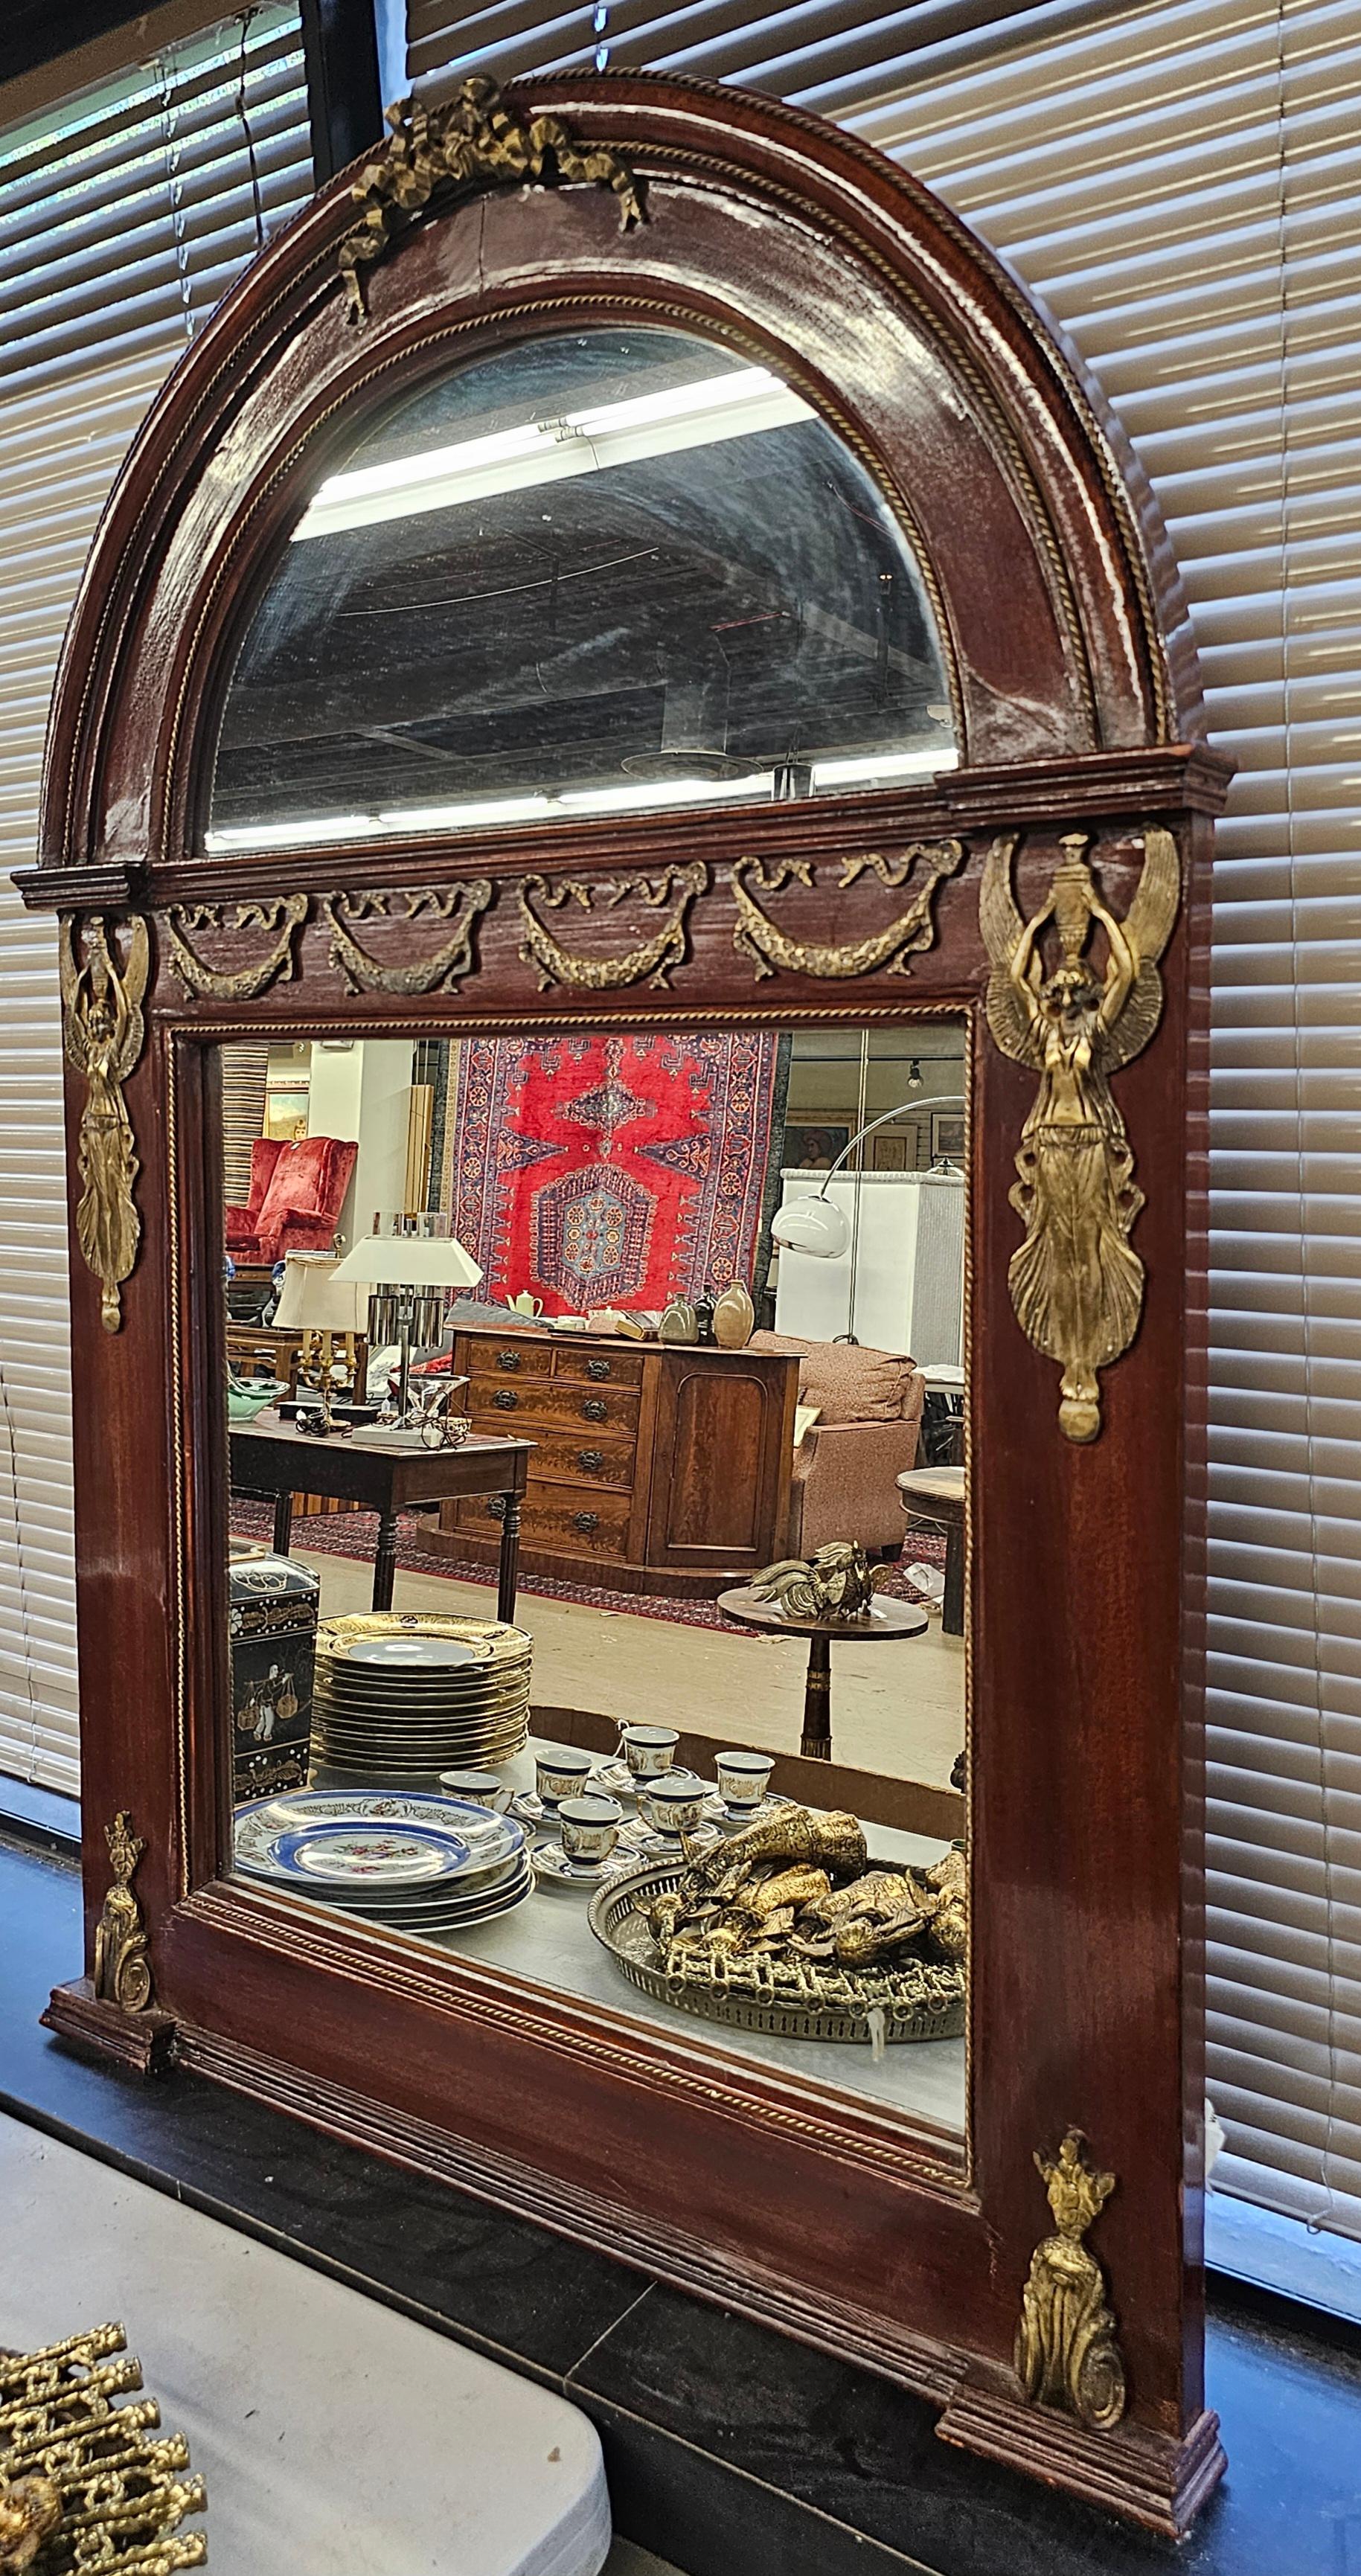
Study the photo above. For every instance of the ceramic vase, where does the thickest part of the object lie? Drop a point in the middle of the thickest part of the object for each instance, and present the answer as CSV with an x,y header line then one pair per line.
x,y
734,1318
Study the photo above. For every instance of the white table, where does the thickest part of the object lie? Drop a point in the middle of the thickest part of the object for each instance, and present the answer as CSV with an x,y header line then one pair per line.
x,y
336,2437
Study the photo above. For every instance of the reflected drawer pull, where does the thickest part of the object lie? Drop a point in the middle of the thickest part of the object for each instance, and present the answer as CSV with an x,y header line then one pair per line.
x,y
597,1368
586,1522
593,1410
592,1460
496,1508
505,1399
508,1359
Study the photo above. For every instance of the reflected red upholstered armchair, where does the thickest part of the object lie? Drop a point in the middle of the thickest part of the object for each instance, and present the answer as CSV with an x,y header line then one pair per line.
x,y
296,1194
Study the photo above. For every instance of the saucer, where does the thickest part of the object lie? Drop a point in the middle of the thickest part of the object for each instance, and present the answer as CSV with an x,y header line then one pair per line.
x,y
734,1820
552,1866
652,1846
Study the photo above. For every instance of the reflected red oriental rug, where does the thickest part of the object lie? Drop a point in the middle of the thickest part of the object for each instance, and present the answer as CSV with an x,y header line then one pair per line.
x,y
615,1171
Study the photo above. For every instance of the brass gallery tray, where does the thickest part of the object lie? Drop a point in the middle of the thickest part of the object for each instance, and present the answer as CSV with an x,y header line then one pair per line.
x,y
919,1999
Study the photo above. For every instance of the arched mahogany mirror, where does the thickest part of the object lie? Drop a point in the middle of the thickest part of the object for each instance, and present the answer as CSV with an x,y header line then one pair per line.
x,y
628,814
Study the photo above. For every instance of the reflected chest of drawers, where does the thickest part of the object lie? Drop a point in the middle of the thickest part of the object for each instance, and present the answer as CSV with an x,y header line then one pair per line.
x,y
663,1468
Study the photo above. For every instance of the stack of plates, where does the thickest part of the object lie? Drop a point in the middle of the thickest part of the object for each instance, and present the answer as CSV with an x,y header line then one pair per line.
x,y
408,1864
405,1695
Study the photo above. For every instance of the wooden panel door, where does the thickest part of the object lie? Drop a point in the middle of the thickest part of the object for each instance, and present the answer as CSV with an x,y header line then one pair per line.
x,y
722,1461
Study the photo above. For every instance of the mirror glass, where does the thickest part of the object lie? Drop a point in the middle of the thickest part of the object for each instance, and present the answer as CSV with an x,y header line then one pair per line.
x,y
598,1585
601,571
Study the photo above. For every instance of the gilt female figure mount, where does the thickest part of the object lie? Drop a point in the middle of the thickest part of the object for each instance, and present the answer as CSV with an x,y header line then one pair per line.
x,y
1076,1282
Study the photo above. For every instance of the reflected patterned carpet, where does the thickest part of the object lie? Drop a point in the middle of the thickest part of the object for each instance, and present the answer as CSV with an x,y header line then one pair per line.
x,y
355,1534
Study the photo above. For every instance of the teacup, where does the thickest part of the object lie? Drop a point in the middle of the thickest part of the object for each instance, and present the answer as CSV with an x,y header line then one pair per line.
x,y
673,1805
478,1789
648,1750
562,1773
589,1827
743,1778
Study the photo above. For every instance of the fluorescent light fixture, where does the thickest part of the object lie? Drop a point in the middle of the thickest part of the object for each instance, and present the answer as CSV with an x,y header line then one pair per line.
x,y
663,791
491,809
883,764
584,442
286,836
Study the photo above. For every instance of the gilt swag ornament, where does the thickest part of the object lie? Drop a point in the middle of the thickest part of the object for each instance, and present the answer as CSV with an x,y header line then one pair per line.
x,y
1077,1284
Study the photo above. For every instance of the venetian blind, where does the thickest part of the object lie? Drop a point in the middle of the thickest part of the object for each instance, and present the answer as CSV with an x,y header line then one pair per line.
x,y
1178,184
124,215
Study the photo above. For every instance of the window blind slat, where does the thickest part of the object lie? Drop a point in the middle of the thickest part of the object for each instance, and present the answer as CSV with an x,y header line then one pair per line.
x,y
1178,182
123,214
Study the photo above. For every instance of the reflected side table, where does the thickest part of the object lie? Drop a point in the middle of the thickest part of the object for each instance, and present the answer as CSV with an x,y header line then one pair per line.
x,y
887,1622
385,1472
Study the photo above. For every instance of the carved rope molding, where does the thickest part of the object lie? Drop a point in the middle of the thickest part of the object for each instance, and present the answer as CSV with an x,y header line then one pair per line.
x,y
1077,1284
769,947
471,141
651,962
102,1033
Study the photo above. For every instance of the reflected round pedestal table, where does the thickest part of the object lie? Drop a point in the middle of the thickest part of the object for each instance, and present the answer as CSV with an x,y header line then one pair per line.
x,y
887,1622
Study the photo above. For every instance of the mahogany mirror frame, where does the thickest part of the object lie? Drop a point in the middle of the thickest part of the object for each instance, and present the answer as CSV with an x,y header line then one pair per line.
x,y
1076,712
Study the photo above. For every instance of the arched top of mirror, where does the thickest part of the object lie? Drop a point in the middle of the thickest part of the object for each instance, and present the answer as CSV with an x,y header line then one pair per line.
x,y
596,571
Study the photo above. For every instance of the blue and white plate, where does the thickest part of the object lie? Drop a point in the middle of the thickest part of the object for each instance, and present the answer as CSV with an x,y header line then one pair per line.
x,y
373,1845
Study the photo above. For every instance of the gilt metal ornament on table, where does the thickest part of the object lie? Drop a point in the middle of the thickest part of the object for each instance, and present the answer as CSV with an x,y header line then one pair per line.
x,y
1076,1282
102,1032
836,1582
472,140
122,1969
1066,2352
82,2488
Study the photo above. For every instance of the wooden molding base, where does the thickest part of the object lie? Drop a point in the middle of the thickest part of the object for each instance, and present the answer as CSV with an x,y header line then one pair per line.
x,y
1145,2476
929,2369
144,2040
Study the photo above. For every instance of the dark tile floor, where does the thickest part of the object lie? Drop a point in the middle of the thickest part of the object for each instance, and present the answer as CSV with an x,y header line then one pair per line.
x,y
728,2448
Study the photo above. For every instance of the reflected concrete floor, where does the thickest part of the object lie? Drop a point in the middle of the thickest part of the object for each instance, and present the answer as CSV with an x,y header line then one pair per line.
x,y
896,1709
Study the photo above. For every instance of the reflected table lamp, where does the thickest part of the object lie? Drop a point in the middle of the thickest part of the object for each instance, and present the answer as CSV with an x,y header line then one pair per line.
x,y
323,1308
409,1264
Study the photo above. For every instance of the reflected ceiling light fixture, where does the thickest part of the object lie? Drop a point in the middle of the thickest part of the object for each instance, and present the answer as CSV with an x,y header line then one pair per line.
x,y
914,1075
283,836
815,1224
883,764
546,451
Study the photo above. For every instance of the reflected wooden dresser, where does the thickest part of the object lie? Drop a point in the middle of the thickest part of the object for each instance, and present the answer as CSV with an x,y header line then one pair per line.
x,y
656,1467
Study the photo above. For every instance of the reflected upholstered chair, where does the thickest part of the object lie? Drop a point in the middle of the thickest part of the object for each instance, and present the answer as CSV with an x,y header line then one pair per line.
x,y
846,1467
296,1194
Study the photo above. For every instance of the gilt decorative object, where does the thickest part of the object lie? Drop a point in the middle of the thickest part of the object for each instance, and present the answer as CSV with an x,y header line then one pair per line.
x,y
440,969
788,1927
122,1971
759,938
102,1031
651,962
472,141
279,919
1066,2352
81,2486
1076,1282
836,1582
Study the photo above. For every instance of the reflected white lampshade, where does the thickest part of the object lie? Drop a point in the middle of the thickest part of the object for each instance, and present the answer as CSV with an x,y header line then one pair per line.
x,y
410,1261
315,1299
813,1225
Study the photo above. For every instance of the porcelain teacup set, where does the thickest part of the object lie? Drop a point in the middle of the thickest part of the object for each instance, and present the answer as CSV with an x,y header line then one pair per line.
x,y
585,1800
